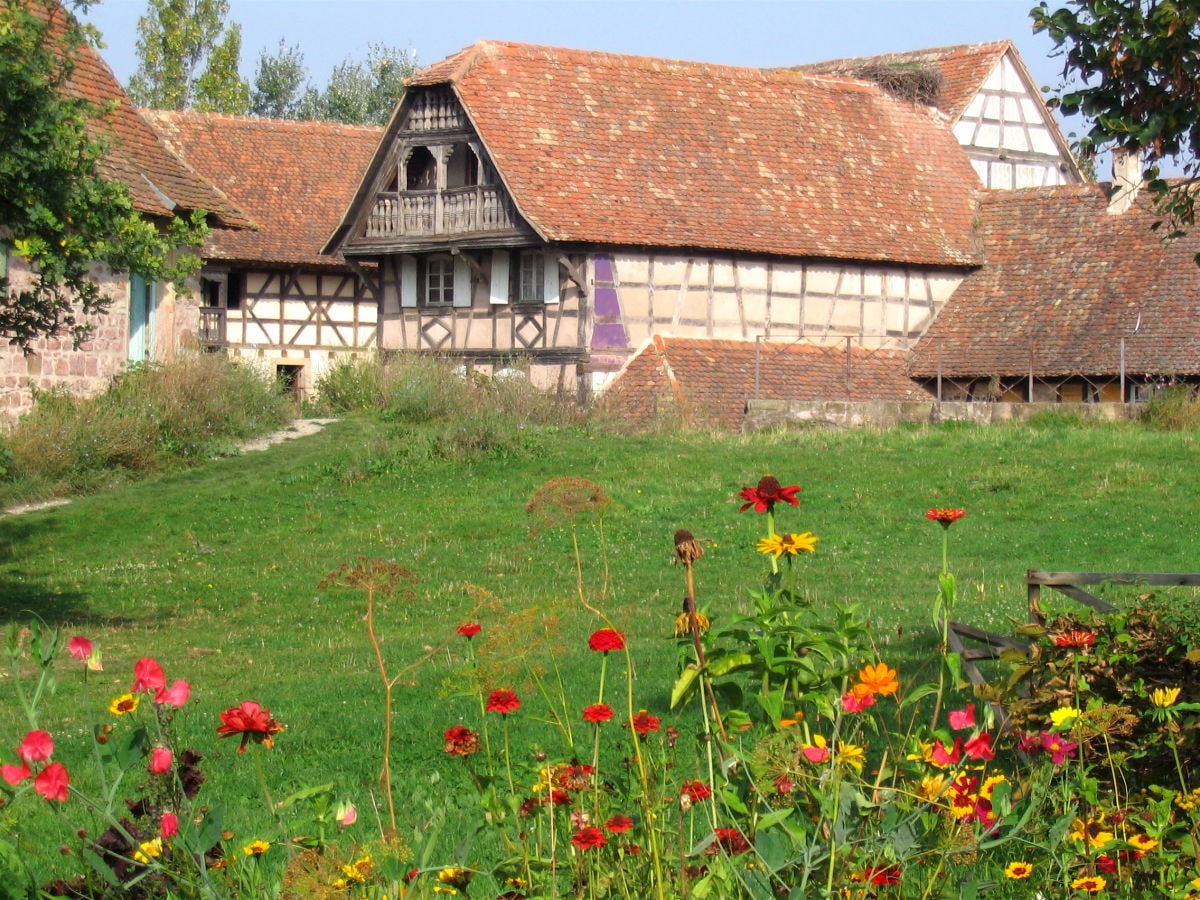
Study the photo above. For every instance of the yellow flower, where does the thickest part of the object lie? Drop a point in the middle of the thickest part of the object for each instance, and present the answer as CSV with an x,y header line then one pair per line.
x,y
358,871
852,755
879,679
932,786
1164,696
454,877
683,626
256,848
125,703
1063,715
1019,869
146,850
1093,832
778,545
1143,842
1093,884
988,788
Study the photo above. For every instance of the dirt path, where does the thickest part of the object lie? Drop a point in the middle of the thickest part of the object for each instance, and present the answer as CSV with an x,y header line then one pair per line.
x,y
297,428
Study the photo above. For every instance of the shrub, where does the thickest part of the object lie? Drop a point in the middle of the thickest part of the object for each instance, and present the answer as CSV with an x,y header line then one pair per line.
x,y
1173,409
350,385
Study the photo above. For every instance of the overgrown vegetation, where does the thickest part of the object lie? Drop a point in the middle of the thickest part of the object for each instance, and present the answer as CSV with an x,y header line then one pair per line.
x,y
152,417
1174,408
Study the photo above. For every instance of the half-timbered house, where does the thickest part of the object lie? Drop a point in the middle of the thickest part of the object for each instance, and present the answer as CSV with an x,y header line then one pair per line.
x,y
553,209
146,320
268,294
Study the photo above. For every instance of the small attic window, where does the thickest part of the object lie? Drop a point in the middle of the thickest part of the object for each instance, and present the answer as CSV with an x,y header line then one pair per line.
x,y
422,170
462,169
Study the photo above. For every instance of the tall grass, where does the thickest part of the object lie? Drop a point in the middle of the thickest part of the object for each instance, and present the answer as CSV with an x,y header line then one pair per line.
x,y
152,416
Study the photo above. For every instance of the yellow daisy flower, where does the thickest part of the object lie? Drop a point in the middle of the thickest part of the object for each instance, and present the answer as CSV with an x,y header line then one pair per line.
x,y
1163,697
125,703
256,848
778,545
1061,716
1020,869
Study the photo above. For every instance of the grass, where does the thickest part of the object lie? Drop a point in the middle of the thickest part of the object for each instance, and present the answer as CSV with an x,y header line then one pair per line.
x,y
214,571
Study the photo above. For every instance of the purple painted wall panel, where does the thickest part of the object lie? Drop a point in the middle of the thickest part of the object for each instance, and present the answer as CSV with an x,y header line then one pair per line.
x,y
609,336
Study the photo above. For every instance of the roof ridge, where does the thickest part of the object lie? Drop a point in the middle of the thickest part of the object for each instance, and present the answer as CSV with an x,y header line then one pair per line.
x,y
263,121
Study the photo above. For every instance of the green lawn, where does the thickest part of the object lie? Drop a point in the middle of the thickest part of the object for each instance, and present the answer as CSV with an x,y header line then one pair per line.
x,y
215,571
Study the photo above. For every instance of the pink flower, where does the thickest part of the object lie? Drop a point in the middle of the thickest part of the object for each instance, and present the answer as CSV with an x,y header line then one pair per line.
x,y
168,825
1059,748
963,718
160,760
52,782
979,747
176,695
147,676
14,775
346,814
854,703
942,756
80,648
37,746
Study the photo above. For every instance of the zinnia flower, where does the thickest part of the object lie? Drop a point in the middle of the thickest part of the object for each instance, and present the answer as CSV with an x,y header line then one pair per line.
x,y
1163,697
461,741
469,629
80,648
695,791
618,824
879,679
945,516
147,676
502,701
881,874
778,545
730,840
1076,638
124,704
606,639
589,838
1020,869
52,782
643,723
252,722
768,492
597,713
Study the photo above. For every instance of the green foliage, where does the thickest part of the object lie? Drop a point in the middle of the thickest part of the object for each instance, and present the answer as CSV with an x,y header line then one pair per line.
x,y
60,215
152,415
188,58
279,80
1136,67
1174,408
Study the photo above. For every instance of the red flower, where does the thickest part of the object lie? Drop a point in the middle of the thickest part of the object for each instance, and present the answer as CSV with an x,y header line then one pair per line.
x,y
14,775
80,648
769,492
882,874
503,701
597,712
589,838
644,723
176,695
945,516
252,722
469,629
618,824
160,760
979,747
730,840
606,639
37,746
52,782
1077,638
461,741
963,718
695,791
168,825
147,676
1106,864
855,703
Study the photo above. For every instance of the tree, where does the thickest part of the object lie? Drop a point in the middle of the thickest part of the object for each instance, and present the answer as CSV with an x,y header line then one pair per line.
x,y
56,210
1133,69
188,58
359,92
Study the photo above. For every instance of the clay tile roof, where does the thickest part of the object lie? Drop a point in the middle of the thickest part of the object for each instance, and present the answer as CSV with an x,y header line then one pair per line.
x,y
963,68
159,183
635,151
707,382
1065,281
294,178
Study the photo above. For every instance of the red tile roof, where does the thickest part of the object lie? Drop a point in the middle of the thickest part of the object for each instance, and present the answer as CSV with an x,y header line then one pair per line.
x,y
1065,281
294,178
707,382
963,68
634,151
159,183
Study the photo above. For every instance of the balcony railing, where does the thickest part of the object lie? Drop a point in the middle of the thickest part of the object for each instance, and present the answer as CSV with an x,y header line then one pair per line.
x,y
212,327
477,208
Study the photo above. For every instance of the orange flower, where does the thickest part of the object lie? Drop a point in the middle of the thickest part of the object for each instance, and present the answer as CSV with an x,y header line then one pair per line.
x,y
503,701
945,516
878,679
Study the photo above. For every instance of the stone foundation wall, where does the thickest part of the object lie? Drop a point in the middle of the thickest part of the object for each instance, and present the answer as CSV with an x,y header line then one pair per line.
x,y
763,415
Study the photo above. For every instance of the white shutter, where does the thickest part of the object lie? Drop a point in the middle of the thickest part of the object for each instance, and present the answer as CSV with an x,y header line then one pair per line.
x,y
462,282
552,286
498,292
408,281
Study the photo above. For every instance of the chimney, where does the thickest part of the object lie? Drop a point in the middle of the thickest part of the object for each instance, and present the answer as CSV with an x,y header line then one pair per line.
x,y
1126,179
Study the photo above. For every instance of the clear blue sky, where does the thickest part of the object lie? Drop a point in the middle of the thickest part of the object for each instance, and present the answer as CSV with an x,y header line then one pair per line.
x,y
732,32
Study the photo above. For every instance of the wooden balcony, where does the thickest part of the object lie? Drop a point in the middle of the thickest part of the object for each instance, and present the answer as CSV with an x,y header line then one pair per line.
x,y
465,210
212,335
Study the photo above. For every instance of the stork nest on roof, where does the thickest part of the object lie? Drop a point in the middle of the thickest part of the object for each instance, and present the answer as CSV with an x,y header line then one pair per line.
x,y
908,81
